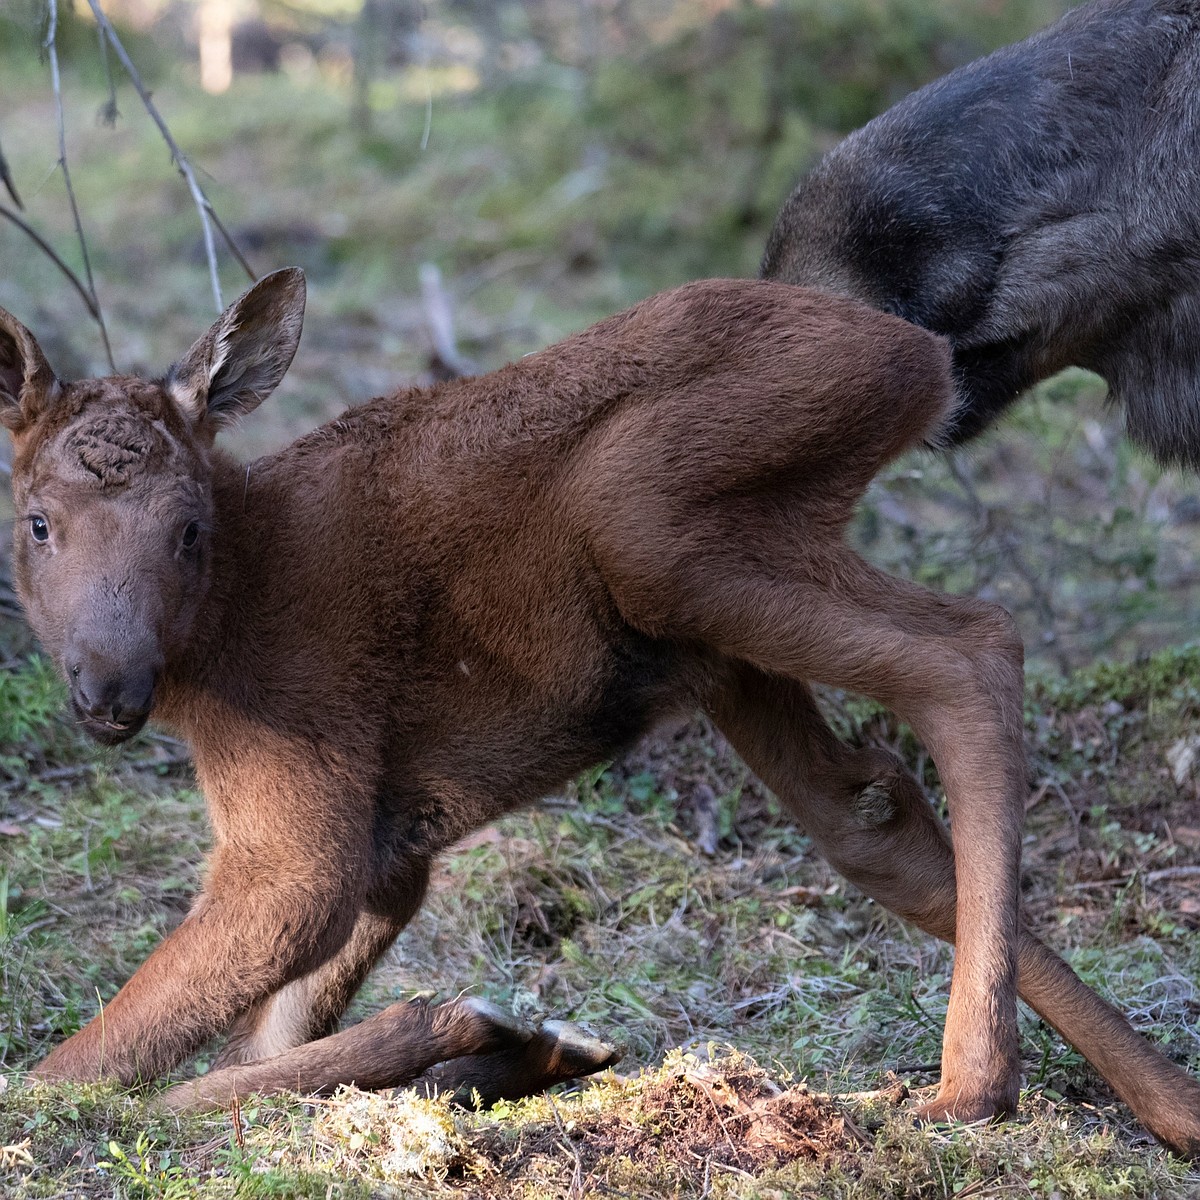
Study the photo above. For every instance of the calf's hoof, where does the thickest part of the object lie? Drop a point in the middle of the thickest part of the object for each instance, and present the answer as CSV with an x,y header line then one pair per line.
x,y
1175,1119
573,1052
493,1028
951,1104
557,1052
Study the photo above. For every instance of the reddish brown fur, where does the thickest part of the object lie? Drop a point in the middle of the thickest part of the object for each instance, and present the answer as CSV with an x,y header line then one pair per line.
x,y
449,601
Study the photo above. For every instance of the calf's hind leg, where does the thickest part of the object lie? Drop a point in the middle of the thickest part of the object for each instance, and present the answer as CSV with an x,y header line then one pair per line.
x,y
870,819
951,668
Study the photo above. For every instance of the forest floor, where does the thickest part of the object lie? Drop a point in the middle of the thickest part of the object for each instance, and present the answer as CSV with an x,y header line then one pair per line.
x,y
724,973
723,976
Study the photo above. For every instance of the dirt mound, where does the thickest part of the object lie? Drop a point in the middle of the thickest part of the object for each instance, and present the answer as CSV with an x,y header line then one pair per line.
x,y
686,1122
738,1116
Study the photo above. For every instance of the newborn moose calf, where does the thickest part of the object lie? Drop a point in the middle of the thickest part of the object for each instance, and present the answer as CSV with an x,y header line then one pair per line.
x,y
447,602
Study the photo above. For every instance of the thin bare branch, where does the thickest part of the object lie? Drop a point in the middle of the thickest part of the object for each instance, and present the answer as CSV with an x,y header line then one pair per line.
x,y
108,110
54,257
7,179
232,246
56,81
203,207
447,361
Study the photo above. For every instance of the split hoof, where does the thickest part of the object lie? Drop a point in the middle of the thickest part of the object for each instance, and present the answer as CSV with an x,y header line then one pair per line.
x,y
497,1028
556,1053
574,1051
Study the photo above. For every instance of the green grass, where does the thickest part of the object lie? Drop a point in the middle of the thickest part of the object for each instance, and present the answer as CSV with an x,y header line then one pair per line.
x,y
597,906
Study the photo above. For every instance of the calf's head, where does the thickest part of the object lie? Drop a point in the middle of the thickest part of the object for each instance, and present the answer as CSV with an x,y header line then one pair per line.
x,y
112,493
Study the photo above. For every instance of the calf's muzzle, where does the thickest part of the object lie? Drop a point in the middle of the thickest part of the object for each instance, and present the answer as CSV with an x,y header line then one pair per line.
x,y
111,701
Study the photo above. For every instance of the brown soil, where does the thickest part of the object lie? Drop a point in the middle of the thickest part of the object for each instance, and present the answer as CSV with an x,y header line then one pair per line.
x,y
693,1123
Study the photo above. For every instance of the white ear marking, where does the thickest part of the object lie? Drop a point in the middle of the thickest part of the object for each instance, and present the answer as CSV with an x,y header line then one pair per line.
x,y
239,362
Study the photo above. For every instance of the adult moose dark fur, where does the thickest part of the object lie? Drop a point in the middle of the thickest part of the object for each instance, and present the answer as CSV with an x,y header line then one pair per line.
x,y
1041,209
449,601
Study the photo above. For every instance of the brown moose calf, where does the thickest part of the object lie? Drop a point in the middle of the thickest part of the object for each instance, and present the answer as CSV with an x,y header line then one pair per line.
x,y
447,602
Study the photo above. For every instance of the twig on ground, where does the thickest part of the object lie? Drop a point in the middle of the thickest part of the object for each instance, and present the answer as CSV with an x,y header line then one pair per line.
x,y
83,770
447,361
577,1180
720,1166
203,206
1171,873
1159,876
51,45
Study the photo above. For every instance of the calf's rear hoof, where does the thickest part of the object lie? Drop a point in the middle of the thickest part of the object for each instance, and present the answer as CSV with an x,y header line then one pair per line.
x,y
950,1105
1176,1126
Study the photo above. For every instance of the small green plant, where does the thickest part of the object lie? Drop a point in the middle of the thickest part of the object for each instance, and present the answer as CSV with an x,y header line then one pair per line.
x,y
30,697
150,1172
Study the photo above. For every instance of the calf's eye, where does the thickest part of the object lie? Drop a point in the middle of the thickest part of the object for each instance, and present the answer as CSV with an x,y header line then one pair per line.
x,y
39,529
190,534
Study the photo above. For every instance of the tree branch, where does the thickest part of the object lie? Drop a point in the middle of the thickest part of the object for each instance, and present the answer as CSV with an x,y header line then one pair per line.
x,y
108,110
207,216
56,80
232,246
7,179
54,257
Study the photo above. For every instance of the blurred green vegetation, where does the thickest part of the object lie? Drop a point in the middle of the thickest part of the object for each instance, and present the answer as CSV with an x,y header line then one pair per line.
x,y
558,162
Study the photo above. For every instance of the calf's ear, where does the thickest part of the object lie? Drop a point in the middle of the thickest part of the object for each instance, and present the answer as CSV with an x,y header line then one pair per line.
x,y
27,384
239,362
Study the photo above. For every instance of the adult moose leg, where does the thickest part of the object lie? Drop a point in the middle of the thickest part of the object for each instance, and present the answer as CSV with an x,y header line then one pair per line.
x,y
870,819
952,668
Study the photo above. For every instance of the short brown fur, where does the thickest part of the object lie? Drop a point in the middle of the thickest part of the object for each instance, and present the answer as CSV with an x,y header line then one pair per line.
x,y
447,602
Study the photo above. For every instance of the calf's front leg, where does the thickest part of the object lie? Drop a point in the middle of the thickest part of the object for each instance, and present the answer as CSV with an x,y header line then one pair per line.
x,y
388,1049
309,1007
260,922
